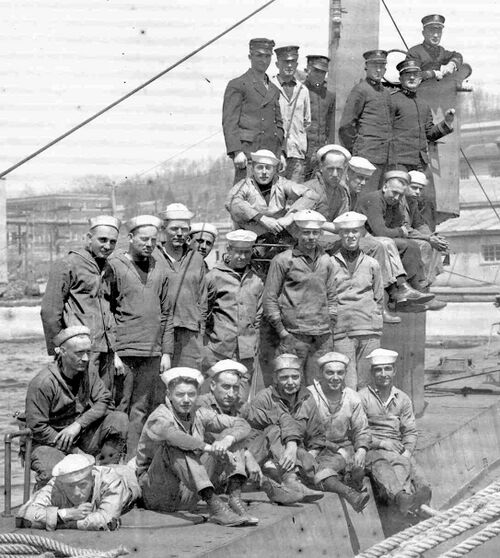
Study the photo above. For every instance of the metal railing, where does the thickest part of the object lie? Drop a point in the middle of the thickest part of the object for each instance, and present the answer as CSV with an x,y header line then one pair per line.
x,y
7,491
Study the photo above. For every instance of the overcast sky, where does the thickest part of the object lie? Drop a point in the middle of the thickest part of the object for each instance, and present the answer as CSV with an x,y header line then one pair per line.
x,y
62,61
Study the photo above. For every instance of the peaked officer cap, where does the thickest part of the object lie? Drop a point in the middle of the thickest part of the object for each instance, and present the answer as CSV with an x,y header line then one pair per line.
x,y
408,66
433,19
318,61
287,52
264,45
375,55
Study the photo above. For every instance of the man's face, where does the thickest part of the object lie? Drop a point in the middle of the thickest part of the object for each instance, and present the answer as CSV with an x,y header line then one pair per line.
x,y
383,375
101,241
263,173
226,389
432,34
414,190
176,233
375,70
142,242
286,68
259,60
333,376
288,381
238,258
75,355
78,492
332,168
410,80
308,239
182,397
203,242
349,238
393,191
315,76
355,181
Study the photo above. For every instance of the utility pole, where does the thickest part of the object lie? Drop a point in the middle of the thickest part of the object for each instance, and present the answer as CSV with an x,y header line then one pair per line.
x,y
3,233
113,198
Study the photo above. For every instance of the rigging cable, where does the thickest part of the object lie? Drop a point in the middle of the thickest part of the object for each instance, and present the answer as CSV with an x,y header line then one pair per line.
x,y
134,91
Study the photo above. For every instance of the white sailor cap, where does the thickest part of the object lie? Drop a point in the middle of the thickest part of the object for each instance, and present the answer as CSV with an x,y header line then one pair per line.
x,y
182,372
104,220
69,332
350,220
73,468
241,238
322,151
362,166
401,174
204,227
227,365
265,156
417,177
177,211
286,360
382,356
143,221
308,219
332,356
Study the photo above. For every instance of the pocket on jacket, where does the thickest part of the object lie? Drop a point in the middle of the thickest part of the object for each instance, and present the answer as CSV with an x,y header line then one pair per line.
x,y
247,135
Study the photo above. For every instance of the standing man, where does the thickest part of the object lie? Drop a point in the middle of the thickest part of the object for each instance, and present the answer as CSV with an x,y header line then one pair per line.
x,y
251,116
77,294
390,459
235,308
360,296
300,299
187,290
366,125
295,110
144,331
202,237
434,60
322,128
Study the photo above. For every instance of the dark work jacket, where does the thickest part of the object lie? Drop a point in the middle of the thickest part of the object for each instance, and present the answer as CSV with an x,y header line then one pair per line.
x,y
77,293
382,219
322,128
413,128
251,116
431,58
366,124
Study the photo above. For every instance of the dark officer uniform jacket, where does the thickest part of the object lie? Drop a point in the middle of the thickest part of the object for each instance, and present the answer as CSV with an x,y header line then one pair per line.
x,y
322,128
431,58
251,116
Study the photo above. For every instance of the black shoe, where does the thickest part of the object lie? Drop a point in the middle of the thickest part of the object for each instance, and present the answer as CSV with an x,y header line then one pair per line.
x,y
435,305
222,514
410,307
405,502
291,481
236,504
279,494
390,318
405,293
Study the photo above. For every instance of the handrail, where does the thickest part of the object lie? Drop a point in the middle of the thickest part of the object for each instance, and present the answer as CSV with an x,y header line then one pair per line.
x,y
7,491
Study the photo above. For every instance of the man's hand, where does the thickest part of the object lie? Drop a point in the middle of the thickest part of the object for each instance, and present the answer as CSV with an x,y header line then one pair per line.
x,y
449,116
64,440
220,447
282,163
438,242
286,220
75,514
119,366
289,457
271,224
448,68
392,445
283,334
360,458
240,160
252,467
438,75
164,363
404,230
345,455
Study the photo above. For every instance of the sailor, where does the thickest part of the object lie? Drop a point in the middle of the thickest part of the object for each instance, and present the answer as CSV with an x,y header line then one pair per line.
x,y
434,60
341,463
265,202
390,459
360,297
202,237
300,299
142,309
175,466
68,406
322,129
187,289
81,495
385,218
251,116
295,110
77,294
292,431
413,126
365,128
234,308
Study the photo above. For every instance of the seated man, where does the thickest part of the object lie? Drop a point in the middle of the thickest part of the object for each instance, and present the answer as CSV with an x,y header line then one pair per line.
x,y
81,496
202,237
288,415
174,463
341,464
68,407
390,460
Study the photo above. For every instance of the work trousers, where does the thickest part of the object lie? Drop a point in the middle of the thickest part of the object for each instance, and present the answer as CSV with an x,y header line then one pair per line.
x,y
43,458
357,348
104,365
294,169
393,263
431,261
330,463
188,346
409,253
376,180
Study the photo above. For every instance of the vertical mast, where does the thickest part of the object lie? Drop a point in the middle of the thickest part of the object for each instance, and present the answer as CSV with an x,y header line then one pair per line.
x,y
3,233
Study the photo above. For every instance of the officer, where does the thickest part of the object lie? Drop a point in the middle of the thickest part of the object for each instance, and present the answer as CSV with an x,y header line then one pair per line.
x,y
251,116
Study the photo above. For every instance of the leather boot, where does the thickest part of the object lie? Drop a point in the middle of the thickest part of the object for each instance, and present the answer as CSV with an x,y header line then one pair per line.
x,y
235,502
222,514
405,502
358,500
279,494
389,317
404,293
435,304
422,495
291,481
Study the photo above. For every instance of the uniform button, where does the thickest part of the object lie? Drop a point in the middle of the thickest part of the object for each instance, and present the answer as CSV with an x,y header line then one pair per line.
x,y
262,132
263,119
